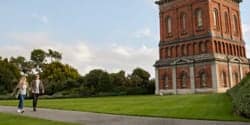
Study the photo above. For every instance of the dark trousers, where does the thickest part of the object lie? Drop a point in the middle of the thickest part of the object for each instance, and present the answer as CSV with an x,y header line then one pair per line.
x,y
35,99
21,101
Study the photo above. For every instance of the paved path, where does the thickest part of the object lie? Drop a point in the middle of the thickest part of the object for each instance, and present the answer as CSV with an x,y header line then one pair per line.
x,y
105,119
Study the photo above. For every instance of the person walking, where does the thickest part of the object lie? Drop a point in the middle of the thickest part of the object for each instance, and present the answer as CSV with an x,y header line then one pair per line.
x,y
21,91
37,88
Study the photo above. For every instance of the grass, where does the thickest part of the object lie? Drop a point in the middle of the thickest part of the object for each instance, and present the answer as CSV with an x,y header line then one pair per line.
x,y
8,119
205,107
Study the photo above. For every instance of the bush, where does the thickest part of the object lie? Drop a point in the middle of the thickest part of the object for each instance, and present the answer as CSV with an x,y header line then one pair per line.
x,y
7,97
241,97
136,91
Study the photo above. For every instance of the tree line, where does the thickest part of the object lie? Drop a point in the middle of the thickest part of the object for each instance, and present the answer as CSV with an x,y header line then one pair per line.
x,y
63,80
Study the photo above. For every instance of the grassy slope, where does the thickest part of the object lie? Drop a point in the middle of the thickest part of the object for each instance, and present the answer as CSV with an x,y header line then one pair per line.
x,y
210,107
7,119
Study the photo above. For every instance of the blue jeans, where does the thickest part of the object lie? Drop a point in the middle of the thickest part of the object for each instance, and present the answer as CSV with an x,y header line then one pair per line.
x,y
21,101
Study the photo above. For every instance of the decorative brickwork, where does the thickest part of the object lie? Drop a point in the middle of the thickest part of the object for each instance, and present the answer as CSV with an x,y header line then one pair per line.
x,y
201,46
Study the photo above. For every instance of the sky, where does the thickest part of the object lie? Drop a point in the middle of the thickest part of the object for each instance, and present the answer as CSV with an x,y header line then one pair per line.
x,y
112,35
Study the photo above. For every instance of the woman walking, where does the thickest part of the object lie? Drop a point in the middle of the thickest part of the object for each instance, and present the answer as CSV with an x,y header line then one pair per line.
x,y
22,90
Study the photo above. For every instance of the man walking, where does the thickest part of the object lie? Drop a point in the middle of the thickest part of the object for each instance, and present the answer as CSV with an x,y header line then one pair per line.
x,y
37,88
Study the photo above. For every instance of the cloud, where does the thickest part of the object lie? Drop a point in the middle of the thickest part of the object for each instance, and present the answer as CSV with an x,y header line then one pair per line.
x,y
143,33
246,29
82,55
42,18
246,33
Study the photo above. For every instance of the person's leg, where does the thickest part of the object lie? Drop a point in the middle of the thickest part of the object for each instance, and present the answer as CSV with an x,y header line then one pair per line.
x,y
19,103
23,98
35,98
34,101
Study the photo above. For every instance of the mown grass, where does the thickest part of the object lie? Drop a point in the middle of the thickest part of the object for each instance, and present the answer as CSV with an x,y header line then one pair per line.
x,y
8,119
204,106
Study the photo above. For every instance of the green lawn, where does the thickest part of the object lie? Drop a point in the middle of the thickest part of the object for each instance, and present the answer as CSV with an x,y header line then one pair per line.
x,y
207,106
7,119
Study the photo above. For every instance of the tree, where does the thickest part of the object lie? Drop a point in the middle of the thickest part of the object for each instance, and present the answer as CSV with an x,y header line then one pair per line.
x,y
38,56
119,79
92,78
141,73
140,77
99,81
104,83
54,55
59,77
9,76
23,65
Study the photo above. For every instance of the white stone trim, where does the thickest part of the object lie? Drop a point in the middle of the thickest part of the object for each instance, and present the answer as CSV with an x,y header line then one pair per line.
x,y
205,90
230,75
222,90
174,79
215,76
157,92
192,82
241,73
185,91
168,91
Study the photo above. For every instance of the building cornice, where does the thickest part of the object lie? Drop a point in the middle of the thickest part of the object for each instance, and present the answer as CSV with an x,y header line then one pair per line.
x,y
203,58
199,37
160,2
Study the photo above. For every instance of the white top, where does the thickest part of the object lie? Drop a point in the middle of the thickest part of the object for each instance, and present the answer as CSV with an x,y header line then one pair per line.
x,y
23,89
37,86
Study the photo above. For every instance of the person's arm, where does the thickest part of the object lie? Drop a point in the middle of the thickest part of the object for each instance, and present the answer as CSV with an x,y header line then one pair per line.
x,y
32,87
28,90
42,87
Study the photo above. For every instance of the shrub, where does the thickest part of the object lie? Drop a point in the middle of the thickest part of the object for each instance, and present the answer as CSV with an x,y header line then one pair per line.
x,y
136,91
241,97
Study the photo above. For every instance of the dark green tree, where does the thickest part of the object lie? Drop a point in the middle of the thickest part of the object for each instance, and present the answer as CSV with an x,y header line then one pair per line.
x,y
140,77
59,77
38,57
9,76
54,55
119,79
105,83
23,65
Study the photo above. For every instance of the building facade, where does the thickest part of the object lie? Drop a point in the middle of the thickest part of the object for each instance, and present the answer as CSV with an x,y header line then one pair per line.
x,y
201,46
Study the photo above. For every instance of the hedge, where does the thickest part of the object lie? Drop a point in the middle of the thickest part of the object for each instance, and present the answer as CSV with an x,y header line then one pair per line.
x,y
241,97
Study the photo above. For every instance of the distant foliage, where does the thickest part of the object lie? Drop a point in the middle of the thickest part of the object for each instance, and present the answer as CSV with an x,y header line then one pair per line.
x,y
100,83
62,80
241,97
59,77
9,76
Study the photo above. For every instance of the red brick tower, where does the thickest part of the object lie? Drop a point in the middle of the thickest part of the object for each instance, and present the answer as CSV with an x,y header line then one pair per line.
x,y
201,46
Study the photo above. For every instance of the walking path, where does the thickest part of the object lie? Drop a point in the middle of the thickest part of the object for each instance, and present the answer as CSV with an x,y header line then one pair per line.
x,y
85,118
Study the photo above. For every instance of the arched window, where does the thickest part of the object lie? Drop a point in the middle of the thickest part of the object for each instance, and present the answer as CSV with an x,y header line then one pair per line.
x,y
162,53
183,50
199,19
215,17
203,80
166,52
169,24
169,52
226,22
219,47
224,79
183,22
235,27
166,82
184,80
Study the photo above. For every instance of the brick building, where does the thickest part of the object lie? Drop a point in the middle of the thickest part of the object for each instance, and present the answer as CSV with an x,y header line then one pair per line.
x,y
201,46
